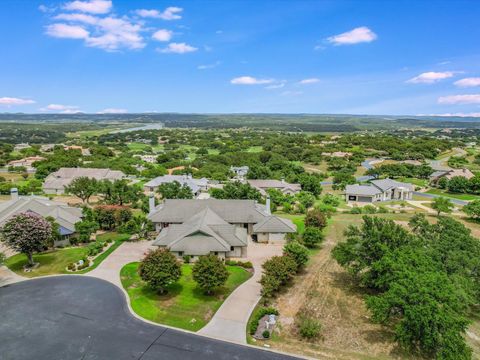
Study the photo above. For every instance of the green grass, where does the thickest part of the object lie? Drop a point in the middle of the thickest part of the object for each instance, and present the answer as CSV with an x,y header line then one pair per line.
x,y
453,195
138,146
55,261
184,306
255,149
415,181
51,262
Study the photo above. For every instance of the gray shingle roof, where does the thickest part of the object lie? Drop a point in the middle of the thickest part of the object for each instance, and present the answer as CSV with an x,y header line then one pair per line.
x,y
64,176
362,190
66,216
263,185
376,187
386,184
194,184
202,234
232,211
273,224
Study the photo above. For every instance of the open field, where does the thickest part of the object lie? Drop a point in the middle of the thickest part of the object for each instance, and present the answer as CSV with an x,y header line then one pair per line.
x,y
185,305
453,195
347,332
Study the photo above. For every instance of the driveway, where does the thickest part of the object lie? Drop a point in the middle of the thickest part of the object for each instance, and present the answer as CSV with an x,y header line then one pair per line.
x,y
79,317
109,269
230,321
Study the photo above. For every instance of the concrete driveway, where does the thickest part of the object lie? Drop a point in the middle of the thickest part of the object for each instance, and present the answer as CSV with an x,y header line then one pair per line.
x,y
230,321
79,317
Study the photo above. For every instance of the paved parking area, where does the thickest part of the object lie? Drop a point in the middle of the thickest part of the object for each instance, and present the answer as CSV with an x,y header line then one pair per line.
x,y
79,317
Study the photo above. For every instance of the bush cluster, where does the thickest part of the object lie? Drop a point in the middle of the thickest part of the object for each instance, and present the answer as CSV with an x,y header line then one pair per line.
x,y
258,315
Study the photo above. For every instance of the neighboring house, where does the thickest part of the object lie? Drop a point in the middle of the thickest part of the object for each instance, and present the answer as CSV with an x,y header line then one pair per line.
x,y
19,147
196,185
240,171
26,162
448,174
263,185
339,154
66,216
199,227
47,147
56,182
151,159
379,190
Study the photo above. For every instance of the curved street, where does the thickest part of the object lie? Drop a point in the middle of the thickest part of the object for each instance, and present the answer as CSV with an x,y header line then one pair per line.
x,y
79,317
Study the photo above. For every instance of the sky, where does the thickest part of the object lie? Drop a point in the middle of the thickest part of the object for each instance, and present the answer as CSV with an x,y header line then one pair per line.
x,y
346,57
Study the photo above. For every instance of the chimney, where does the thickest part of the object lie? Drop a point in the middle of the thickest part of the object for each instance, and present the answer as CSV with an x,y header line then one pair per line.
x,y
283,180
14,193
151,203
267,205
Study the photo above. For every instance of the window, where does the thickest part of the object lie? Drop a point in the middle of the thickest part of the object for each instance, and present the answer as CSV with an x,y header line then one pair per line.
x,y
231,248
180,253
216,253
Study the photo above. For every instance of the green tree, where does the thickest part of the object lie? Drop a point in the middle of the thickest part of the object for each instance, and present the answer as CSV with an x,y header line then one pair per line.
x,y
312,236
209,272
458,184
27,233
159,269
306,199
83,188
316,218
175,190
442,205
277,272
236,190
472,209
298,252
310,183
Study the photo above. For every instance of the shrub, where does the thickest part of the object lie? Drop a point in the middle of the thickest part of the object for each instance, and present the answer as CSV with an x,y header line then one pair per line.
x,y
277,272
266,334
258,315
312,237
298,252
186,259
308,327
316,218
356,210
369,209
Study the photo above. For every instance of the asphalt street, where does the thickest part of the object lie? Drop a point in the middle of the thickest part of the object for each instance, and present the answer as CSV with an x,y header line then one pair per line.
x,y
79,317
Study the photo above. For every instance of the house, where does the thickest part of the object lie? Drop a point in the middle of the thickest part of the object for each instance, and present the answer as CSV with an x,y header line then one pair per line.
x,y
263,185
199,227
26,162
151,159
196,185
338,154
448,174
56,182
47,147
66,216
379,190
240,171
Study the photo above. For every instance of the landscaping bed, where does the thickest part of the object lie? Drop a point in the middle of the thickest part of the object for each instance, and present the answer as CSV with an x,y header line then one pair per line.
x,y
184,305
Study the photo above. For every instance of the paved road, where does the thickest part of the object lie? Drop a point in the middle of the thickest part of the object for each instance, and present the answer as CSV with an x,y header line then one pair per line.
x,y
432,196
78,317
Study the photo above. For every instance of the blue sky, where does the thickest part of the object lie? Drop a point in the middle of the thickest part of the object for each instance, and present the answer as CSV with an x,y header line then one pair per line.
x,y
357,57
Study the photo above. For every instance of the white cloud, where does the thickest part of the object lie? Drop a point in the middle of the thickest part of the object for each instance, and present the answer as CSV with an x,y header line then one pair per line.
x,y
275,86
208,66
162,35
318,47
355,36
113,111
92,6
468,82
249,80
460,99
64,109
170,13
83,18
291,93
309,81
67,31
116,34
431,77
10,101
459,114
178,48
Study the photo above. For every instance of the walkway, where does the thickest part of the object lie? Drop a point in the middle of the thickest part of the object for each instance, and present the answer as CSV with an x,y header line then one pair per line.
x,y
128,252
230,321
7,276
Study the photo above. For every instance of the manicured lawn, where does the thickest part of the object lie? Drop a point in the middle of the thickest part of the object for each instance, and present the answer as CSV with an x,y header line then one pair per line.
x,y
51,262
137,146
453,195
55,261
255,149
415,181
185,305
